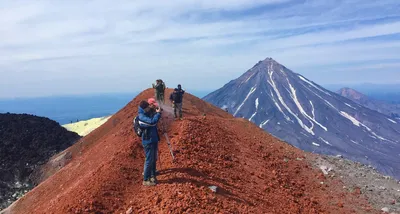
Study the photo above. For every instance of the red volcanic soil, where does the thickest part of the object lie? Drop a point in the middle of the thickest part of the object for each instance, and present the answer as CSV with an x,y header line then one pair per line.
x,y
254,172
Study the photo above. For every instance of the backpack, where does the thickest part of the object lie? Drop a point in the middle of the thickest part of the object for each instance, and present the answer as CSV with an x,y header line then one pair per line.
x,y
138,130
163,86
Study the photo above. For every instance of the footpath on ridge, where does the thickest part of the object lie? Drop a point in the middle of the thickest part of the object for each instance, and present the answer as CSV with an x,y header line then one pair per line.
x,y
253,171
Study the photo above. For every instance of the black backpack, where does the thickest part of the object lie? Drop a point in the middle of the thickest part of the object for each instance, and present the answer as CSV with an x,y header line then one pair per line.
x,y
136,127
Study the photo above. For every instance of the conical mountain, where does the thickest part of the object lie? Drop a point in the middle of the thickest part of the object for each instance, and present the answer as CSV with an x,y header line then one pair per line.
x,y
308,116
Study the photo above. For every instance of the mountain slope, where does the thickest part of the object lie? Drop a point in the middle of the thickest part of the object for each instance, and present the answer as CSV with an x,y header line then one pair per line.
x,y
26,142
391,110
254,172
300,112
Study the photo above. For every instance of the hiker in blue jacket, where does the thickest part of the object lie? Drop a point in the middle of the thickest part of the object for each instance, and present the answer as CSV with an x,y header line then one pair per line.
x,y
150,140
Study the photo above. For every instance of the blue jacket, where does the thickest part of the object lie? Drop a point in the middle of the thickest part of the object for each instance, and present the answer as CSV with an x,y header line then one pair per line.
x,y
150,134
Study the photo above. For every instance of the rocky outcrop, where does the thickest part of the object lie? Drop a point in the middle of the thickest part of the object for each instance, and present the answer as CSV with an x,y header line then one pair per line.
x,y
26,142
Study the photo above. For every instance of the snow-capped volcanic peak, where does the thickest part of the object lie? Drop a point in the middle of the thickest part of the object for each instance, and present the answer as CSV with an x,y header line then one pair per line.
x,y
306,115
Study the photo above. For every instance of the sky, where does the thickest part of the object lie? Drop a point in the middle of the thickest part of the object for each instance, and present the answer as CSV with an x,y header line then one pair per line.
x,y
99,46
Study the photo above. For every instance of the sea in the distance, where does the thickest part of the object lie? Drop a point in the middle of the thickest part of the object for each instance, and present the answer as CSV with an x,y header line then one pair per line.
x,y
67,109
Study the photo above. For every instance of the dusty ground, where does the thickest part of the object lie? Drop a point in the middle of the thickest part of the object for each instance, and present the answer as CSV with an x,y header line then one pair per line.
x,y
253,171
381,191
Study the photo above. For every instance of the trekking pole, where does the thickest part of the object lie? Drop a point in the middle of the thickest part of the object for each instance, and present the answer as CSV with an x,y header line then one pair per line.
x,y
159,159
169,144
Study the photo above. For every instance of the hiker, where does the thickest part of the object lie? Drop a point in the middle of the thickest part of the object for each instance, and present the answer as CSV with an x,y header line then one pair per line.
x,y
153,106
148,120
176,98
159,90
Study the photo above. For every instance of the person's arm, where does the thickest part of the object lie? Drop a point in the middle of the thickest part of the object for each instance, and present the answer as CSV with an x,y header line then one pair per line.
x,y
146,121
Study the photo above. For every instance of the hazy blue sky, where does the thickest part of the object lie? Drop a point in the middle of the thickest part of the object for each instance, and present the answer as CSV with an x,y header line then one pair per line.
x,y
74,47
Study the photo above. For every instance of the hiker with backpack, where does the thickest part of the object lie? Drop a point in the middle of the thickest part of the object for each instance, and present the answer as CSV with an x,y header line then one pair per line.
x,y
159,90
145,125
176,98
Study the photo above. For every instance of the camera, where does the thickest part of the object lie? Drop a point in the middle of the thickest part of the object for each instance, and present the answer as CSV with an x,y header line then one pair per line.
x,y
159,108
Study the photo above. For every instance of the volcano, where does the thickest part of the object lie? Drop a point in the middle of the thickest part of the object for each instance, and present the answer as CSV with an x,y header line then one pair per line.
x,y
249,170
304,114
391,110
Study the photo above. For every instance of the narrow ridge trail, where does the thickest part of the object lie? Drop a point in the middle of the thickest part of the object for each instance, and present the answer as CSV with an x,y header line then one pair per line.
x,y
254,172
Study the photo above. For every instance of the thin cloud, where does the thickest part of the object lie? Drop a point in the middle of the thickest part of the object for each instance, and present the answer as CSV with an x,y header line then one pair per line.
x,y
100,46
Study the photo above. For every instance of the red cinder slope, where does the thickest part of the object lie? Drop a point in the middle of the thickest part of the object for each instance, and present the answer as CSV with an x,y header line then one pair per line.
x,y
254,172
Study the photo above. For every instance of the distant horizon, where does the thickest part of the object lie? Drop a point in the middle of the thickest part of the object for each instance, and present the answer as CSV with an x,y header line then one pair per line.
x,y
67,108
333,86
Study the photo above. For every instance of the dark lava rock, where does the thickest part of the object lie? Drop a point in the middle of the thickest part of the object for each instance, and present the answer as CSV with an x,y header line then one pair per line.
x,y
26,142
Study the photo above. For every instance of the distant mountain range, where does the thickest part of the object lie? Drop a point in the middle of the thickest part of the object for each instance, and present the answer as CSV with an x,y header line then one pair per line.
x,y
392,110
308,116
389,93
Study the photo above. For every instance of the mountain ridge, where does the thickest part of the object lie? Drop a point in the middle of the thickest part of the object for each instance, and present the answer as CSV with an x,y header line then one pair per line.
x,y
253,172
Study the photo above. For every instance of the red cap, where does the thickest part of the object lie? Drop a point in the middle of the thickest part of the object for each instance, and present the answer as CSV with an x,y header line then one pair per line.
x,y
152,101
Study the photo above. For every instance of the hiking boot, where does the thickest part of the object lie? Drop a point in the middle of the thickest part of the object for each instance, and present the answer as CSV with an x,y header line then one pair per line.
x,y
180,118
154,180
149,183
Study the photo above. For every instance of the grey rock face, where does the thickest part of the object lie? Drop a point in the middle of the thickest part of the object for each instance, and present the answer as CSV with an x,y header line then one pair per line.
x,y
302,113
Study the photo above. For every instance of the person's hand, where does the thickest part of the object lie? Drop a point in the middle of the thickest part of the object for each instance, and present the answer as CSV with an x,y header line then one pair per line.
x,y
158,110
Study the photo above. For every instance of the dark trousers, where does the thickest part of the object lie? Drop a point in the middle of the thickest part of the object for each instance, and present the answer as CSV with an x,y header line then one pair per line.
x,y
178,107
160,97
150,151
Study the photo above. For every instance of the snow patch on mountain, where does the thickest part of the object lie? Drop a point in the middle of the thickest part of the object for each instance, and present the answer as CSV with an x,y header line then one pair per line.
x,y
326,101
352,119
315,144
256,102
249,77
325,141
313,85
392,121
293,94
359,124
278,106
252,90
272,83
252,116
350,106
312,110
264,123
